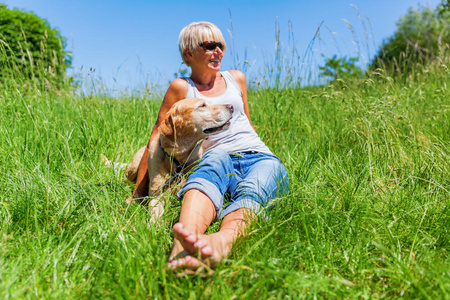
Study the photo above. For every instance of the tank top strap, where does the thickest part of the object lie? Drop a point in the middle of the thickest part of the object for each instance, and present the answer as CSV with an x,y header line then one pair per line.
x,y
189,81
231,82
192,91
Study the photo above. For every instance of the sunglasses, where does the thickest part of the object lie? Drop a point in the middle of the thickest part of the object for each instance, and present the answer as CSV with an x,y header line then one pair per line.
x,y
211,46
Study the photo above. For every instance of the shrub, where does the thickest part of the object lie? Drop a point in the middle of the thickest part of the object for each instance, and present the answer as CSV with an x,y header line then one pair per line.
x,y
422,36
30,49
444,6
341,68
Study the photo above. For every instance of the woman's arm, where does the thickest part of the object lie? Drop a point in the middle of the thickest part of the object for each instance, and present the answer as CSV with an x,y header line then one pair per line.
x,y
176,91
242,83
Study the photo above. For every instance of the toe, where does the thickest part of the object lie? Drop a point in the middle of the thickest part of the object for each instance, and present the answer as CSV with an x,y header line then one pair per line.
x,y
191,263
200,244
180,232
178,228
176,263
192,238
177,225
187,262
207,251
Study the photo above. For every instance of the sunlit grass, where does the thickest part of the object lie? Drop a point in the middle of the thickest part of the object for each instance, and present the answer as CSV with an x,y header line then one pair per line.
x,y
366,217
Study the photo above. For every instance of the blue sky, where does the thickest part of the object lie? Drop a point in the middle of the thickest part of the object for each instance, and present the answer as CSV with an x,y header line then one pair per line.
x,y
131,42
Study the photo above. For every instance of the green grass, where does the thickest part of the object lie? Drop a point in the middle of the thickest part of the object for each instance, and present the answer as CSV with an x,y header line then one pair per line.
x,y
366,217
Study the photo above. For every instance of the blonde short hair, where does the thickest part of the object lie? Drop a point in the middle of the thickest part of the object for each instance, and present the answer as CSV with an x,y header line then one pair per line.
x,y
194,34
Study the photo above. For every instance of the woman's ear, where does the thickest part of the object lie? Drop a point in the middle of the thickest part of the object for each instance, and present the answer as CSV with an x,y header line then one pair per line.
x,y
189,54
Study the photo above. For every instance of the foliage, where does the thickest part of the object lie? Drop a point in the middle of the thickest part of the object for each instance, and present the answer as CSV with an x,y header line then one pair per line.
x,y
30,49
444,6
422,36
341,68
182,72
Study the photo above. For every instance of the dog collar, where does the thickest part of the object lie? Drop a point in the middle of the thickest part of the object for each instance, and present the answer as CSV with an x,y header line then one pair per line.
x,y
172,158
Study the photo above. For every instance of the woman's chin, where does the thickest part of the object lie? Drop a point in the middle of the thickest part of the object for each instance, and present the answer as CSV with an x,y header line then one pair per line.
x,y
215,66
217,69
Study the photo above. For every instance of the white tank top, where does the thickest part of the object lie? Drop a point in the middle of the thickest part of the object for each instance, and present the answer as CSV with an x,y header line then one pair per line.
x,y
240,136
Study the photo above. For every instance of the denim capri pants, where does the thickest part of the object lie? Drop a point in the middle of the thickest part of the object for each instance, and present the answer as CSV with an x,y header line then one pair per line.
x,y
252,180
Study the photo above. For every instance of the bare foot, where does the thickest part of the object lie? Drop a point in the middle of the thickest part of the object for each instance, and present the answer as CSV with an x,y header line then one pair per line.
x,y
199,250
194,251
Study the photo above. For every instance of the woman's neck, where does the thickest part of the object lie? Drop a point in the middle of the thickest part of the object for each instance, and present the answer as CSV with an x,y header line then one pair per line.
x,y
204,80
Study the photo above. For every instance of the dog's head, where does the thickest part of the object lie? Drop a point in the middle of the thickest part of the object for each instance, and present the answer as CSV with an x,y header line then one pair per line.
x,y
191,120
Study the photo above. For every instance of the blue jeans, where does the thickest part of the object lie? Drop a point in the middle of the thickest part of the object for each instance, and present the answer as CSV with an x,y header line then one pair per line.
x,y
251,179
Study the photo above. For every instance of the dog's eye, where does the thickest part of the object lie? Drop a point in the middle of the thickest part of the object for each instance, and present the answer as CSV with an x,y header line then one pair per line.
x,y
202,105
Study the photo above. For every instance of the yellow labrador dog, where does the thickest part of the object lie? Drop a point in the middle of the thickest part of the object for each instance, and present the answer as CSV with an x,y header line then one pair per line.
x,y
179,146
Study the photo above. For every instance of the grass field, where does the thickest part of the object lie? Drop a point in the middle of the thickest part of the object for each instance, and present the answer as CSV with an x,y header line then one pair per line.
x,y
367,215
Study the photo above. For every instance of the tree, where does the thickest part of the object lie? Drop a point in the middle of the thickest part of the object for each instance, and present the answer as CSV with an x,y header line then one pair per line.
x,y
444,6
341,68
30,49
422,35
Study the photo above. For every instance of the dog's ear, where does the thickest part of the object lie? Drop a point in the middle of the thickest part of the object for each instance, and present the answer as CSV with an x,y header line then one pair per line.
x,y
168,127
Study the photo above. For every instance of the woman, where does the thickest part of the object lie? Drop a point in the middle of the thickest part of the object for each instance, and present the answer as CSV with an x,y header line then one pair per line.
x,y
251,178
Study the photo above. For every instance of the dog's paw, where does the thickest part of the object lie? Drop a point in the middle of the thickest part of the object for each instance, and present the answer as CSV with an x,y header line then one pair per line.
x,y
105,160
129,200
108,163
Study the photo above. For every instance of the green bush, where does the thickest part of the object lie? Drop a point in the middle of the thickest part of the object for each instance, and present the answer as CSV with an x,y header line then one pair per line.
x,y
422,36
30,50
444,6
341,68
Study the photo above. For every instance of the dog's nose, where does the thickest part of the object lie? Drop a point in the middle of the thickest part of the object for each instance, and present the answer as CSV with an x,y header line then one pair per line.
x,y
230,107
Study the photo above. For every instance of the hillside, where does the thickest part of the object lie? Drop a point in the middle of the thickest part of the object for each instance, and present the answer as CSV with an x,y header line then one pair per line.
x,y
366,217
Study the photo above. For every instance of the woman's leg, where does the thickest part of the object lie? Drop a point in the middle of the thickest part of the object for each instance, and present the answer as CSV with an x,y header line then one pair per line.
x,y
197,213
203,198
264,178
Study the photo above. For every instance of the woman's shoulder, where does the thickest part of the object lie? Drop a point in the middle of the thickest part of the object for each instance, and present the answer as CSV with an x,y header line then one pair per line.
x,y
178,87
238,76
240,79
179,83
